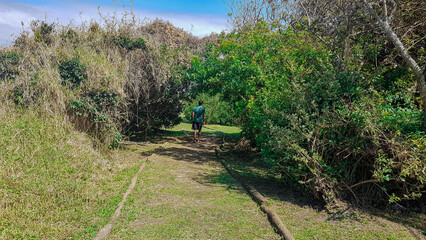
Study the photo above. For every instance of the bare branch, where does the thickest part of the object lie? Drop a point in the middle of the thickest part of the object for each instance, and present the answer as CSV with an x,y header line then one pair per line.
x,y
418,72
385,11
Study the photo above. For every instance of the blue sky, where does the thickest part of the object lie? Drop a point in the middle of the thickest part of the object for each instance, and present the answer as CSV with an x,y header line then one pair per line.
x,y
200,17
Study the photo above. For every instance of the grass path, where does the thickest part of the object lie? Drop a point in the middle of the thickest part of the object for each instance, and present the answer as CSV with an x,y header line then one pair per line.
x,y
184,193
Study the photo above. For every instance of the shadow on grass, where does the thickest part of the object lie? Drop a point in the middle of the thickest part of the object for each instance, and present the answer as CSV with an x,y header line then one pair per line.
x,y
412,219
269,184
220,178
273,186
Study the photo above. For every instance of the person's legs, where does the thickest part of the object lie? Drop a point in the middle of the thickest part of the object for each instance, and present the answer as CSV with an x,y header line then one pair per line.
x,y
195,128
199,135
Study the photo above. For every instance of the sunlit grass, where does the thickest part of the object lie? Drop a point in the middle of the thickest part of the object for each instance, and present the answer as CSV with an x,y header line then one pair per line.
x,y
53,184
177,199
185,128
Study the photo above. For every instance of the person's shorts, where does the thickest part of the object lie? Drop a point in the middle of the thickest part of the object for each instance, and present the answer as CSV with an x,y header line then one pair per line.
x,y
197,126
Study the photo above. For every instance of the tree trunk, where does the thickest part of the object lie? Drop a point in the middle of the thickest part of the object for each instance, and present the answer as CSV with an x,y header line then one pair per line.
x,y
418,72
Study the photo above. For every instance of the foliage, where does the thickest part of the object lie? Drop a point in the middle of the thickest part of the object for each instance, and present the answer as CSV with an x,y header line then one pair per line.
x,y
70,35
94,104
146,86
72,72
9,62
155,88
100,108
129,44
325,128
333,111
43,31
25,94
217,111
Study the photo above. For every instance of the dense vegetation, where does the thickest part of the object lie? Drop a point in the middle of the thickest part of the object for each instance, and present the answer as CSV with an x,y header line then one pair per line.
x,y
323,96
110,79
327,129
67,94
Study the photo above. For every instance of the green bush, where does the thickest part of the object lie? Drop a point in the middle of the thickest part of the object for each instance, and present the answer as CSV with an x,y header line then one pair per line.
x,y
18,95
9,66
43,32
337,133
95,104
25,95
129,44
72,72
71,36
101,108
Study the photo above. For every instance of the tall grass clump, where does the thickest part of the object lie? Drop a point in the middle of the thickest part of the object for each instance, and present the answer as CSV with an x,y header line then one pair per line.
x,y
114,77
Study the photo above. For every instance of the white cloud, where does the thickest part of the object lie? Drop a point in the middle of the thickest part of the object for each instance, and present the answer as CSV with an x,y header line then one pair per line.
x,y
13,13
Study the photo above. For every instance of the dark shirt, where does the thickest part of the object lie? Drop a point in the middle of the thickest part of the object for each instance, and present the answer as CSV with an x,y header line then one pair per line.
x,y
199,112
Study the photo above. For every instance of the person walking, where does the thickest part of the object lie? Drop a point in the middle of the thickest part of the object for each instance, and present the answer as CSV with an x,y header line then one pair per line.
x,y
198,118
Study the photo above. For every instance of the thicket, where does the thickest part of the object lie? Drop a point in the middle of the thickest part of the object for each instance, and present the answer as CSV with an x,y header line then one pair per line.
x,y
115,77
72,72
341,133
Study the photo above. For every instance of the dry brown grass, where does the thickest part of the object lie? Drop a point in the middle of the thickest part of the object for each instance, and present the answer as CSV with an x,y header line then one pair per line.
x,y
141,78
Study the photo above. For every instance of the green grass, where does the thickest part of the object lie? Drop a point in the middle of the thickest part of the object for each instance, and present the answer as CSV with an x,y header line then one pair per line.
x,y
53,184
185,128
178,199
302,219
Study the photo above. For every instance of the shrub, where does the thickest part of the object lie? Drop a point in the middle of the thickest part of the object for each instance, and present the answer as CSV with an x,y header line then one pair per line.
x,y
100,108
43,32
95,104
129,44
326,129
72,72
148,83
26,93
71,36
18,95
9,66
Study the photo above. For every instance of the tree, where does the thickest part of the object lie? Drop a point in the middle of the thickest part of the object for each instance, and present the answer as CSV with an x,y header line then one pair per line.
x,y
418,72
342,25
249,12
